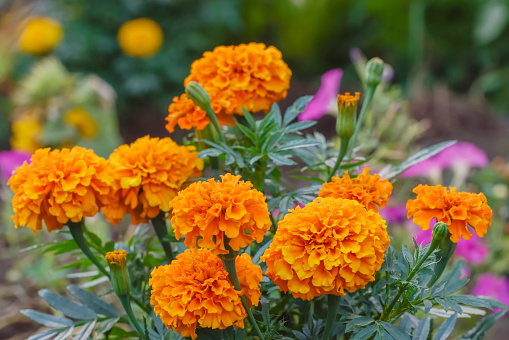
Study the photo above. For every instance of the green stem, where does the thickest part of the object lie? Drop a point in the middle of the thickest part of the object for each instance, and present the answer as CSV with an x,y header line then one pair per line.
x,y
342,152
76,229
370,92
141,305
333,304
213,119
229,265
129,311
162,233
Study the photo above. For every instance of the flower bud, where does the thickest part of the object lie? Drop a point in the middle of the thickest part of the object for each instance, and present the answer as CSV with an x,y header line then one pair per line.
x,y
374,72
118,271
347,107
440,232
197,94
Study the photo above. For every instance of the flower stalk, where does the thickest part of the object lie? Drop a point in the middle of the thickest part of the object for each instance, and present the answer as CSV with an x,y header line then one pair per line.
x,y
333,304
162,234
342,152
76,229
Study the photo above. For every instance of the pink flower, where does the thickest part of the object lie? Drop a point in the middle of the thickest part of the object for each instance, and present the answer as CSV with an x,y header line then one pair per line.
x,y
494,287
325,99
10,160
394,215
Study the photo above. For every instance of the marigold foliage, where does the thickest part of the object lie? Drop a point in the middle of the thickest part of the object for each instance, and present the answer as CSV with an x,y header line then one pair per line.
x,y
141,37
369,190
148,174
252,76
40,35
329,246
456,209
207,212
117,257
59,186
195,290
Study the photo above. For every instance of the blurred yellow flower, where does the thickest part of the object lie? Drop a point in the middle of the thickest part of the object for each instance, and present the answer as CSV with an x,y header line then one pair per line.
x,y
82,121
141,37
26,131
40,35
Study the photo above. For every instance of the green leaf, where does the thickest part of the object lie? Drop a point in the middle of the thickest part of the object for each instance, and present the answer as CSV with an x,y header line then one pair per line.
x,y
297,107
65,334
362,321
46,319
280,160
482,327
408,256
271,142
277,118
491,21
300,126
427,306
365,333
94,239
298,143
259,253
249,119
395,332
93,302
446,328
210,153
106,325
85,331
469,300
248,133
62,247
422,330
66,306
49,334
417,158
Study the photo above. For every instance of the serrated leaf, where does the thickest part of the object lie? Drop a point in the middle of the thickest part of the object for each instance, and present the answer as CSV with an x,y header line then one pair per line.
x,y
49,334
295,109
362,321
408,256
248,133
249,118
85,331
422,330
295,144
427,306
65,334
395,332
93,302
66,306
271,142
106,325
280,160
365,333
300,126
210,153
469,300
46,319
446,328
482,327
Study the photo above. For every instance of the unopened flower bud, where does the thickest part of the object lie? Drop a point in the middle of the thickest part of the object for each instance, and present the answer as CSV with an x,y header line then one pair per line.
x,y
347,107
440,232
374,72
118,271
197,94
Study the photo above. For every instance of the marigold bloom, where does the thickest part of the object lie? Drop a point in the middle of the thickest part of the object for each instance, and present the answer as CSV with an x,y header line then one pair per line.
x,y
207,212
329,246
141,37
117,257
252,76
369,190
59,186
195,289
148,174
82,121
455,209
40,35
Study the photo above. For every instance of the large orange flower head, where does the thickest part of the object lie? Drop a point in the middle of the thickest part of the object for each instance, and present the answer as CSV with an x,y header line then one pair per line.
x,y
59,186
456,209
148,174
195,290
369,190
252,76
208,212
329,246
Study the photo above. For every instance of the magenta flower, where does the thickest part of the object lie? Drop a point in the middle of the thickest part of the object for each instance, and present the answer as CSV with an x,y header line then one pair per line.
x,y
394,215
494,287
461,154
325,99
10,160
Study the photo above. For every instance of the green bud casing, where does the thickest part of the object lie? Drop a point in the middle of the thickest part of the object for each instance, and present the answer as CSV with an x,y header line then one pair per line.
x,y
197,94
118,272
374,72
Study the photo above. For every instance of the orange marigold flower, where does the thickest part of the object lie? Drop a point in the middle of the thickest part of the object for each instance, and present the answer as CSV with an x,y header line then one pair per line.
x,y
329,246
455,209
59,186
117,257
195,289
148,174
207,212
252,76
369,190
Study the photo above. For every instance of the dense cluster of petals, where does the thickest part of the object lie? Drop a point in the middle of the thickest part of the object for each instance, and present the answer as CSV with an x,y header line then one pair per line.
x,y
456,209
59,186
195,290
141,37
252,76
208,212
329,246
118,257
40,35
369,190
148,175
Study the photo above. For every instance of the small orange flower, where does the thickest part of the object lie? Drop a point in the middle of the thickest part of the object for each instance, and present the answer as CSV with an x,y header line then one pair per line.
x,y
329,246
207,212
369,190
195,289
252,76
59,186
148,174
117,257
455,209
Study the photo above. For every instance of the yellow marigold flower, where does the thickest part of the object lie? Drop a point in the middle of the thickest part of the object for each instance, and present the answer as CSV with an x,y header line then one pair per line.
x,y
117,257
195,289
455,209
329,246
82,121
207,212
26,132
59,186
369,190
252,76
148,174
40,35
141,37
